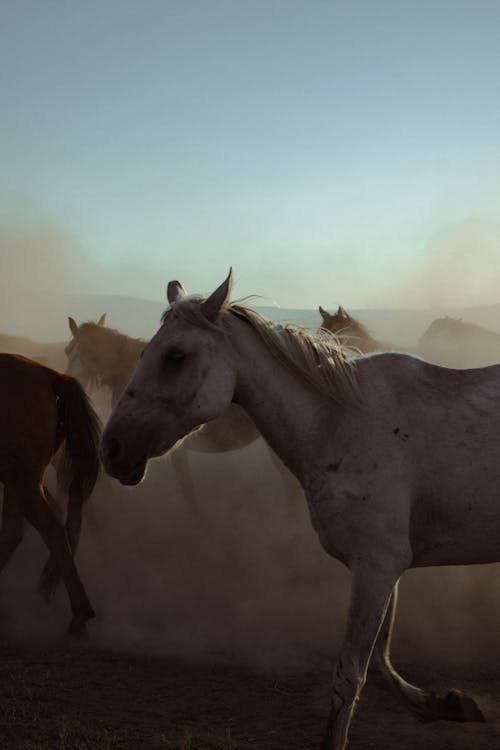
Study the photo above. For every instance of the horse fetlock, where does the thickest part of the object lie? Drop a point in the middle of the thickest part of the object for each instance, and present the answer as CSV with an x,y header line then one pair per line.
x,y
77,625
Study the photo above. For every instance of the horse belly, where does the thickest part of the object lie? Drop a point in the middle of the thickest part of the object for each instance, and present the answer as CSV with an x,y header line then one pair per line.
x,y
463,531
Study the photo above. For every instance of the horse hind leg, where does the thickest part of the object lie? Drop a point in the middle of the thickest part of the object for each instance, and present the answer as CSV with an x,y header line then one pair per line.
x,y
51,573
12,529
50,576
453,706
37,511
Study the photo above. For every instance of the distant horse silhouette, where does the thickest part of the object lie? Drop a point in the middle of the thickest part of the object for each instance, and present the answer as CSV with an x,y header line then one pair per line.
x,y
42,410
351,332
105,357
455,343
74,366
101,356
398,458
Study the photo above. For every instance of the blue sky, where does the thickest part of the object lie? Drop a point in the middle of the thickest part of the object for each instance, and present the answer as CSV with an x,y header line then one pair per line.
x,y
330,151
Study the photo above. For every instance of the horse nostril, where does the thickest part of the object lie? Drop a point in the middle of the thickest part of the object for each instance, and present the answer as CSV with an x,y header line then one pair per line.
x,y
131,392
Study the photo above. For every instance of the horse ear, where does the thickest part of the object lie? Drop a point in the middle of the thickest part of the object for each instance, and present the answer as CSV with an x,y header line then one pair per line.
x,y
342,312
175,291
217,299
73,326
102,320
324,314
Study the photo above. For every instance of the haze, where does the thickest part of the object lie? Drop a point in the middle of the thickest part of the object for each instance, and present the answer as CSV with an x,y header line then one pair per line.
x,y
330,151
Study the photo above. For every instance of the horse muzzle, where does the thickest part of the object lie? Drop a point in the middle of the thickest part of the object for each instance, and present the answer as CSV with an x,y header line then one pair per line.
x,y
120,461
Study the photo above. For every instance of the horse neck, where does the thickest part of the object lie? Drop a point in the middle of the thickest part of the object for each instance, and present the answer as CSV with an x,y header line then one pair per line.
x,y
360,336
120,367
289,413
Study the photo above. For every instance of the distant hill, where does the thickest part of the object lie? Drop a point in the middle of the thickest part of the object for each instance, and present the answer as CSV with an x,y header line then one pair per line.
x,y
45,318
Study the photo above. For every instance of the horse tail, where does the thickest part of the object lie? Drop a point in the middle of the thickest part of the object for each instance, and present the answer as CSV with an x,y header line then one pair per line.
x,y
80,428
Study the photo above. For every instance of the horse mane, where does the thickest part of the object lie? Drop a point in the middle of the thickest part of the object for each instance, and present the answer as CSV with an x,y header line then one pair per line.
x,y
317,358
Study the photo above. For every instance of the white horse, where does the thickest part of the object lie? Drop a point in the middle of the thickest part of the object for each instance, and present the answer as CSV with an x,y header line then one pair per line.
x,y
399,459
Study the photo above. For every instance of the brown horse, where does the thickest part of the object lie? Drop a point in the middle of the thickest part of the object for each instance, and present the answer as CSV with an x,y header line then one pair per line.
x,y
101,356
42,410
351,332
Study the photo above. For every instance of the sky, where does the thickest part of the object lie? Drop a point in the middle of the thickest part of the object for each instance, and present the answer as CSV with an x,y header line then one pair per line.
x,y
331,152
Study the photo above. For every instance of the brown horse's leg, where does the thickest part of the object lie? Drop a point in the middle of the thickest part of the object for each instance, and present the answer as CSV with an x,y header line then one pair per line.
x,y
11,531
454,706
38,513
51,573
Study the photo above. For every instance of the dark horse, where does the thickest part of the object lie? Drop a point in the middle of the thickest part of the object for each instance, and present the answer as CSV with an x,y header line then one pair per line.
x,y
41,411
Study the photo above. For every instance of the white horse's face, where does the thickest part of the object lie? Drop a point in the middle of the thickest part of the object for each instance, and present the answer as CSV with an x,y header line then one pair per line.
x,y
184,378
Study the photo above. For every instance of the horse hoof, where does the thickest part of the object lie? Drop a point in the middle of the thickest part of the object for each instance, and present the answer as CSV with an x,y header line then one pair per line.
x,y
78,626
457,706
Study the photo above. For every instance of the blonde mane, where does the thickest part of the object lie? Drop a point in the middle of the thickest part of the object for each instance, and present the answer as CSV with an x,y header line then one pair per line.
x,y
319,358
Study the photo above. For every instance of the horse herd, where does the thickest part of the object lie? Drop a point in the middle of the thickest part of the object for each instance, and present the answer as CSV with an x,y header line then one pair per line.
x,y
397,456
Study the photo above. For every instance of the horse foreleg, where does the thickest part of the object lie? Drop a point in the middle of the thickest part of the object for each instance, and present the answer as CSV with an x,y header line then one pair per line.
x,y
454,706
371,589
38,513
183,475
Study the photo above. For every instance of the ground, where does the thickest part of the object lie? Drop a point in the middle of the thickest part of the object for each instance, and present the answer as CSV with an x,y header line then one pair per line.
x,y
186,597
74,698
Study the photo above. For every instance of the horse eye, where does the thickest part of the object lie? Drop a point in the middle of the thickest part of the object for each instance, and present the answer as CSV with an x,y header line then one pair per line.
x,y
175,355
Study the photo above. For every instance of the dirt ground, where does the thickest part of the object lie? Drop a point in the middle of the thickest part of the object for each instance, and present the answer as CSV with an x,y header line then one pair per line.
x,y
74,697
214,622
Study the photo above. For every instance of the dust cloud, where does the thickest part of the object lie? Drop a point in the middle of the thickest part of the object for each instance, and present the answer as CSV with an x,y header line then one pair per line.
x,y
41,256
458,266
241,577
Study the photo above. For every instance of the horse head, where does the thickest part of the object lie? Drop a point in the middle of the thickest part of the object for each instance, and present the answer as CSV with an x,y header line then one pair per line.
x,y
337,322
184,379
81,351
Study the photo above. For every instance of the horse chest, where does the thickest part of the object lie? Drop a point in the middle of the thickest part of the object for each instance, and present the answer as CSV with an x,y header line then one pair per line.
x,y
348,512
